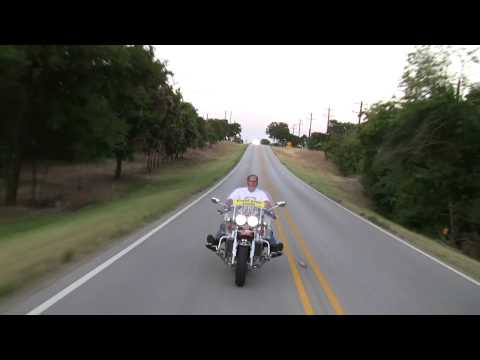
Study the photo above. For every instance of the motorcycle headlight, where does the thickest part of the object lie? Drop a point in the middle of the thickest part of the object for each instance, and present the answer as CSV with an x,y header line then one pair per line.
x,y
252,221
240,219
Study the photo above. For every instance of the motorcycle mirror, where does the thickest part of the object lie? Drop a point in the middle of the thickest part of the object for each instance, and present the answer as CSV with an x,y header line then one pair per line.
x,y
281,203
215,200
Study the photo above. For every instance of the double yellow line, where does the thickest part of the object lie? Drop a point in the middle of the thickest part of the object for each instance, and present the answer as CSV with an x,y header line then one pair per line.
x,y
332,298
324,284
302,293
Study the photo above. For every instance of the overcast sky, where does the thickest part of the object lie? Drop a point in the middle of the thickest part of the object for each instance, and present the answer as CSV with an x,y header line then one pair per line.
x,y
260,84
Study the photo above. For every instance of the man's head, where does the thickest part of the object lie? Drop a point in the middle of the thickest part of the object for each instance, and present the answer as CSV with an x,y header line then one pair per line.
x,y
252,182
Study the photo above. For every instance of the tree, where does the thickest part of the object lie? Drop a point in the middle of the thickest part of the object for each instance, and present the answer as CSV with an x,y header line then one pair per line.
x,y
419,156
135,95
234,130
56,90
189,117
293,139
337,132
218,130
14,65
304,140
317,141
381,116
425,72
83,102
202,138
466,58
278,131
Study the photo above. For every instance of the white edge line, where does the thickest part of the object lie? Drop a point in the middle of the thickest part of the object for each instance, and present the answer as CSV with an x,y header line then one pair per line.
x,y
51,301
382,230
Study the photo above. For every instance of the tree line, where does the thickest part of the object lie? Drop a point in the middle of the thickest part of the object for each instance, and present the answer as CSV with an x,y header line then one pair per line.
x,y
83,102
418,156
280,133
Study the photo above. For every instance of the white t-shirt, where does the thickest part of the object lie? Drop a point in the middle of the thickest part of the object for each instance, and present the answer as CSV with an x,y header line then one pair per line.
x,y
244,194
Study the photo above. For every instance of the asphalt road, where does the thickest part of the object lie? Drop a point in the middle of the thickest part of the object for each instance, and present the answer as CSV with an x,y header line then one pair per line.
x,y
334,263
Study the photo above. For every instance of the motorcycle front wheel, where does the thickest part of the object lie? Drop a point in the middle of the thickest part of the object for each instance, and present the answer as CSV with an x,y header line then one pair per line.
x,y
241,267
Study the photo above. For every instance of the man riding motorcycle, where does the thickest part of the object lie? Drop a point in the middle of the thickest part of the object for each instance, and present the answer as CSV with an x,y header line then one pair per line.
x,y
251,192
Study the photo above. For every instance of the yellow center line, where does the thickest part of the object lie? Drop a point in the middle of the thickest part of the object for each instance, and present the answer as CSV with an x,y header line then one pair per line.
x,y
333,299
316,270
302,293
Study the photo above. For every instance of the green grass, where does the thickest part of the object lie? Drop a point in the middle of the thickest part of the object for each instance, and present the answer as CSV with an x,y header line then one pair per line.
x,y
330,188
33,247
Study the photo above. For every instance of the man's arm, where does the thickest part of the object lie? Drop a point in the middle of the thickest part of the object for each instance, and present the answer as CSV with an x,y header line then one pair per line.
x,y
268,205
230,198
266,200
268,209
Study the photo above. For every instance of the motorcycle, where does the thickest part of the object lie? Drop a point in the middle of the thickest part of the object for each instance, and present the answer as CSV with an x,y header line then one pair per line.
x,y
244,247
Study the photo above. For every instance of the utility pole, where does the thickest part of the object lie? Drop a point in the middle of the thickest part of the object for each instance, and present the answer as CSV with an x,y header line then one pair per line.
x,y
299,127
310,129
230,116
360,112
458,89
328,118
225,115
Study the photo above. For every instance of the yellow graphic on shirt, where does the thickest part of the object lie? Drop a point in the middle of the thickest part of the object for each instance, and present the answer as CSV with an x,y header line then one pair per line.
x,y
257,204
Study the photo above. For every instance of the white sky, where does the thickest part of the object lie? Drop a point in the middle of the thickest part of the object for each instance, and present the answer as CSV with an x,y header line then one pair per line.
x,y
260,84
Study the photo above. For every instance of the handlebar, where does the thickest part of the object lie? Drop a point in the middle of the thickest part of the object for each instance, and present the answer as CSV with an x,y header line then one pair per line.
x,y
228,207
270,213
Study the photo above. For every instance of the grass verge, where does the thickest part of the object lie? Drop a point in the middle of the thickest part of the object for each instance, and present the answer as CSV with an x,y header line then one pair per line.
x,y
30,248
324,180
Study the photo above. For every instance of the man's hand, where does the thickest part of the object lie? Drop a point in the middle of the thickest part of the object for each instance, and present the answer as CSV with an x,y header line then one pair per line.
x,y
268,205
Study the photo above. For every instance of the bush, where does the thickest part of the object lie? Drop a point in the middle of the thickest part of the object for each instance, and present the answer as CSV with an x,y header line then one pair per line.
x,y
346,151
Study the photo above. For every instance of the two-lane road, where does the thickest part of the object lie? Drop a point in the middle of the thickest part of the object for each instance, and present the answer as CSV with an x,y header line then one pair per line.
x,y
334,263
